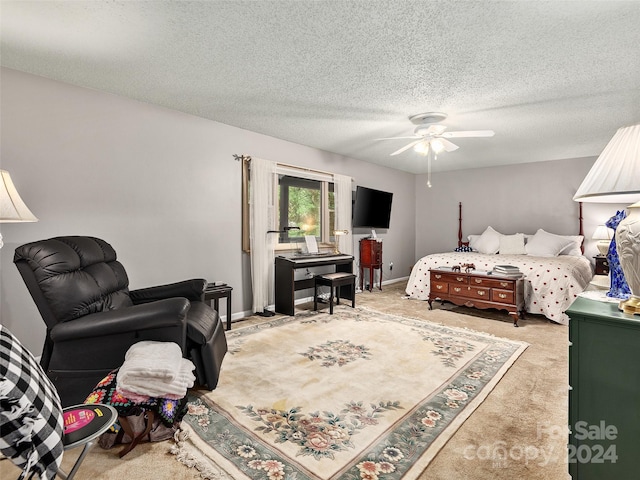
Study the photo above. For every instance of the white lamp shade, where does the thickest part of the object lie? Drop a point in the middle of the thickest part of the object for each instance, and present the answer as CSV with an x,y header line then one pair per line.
x,y
602,233
12,208
615,176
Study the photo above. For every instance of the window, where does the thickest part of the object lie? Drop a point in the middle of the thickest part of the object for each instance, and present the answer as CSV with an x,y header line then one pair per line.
x,y
305,199
307,204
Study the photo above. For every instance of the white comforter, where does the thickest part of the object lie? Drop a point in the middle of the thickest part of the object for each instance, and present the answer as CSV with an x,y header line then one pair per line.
x,y
551,283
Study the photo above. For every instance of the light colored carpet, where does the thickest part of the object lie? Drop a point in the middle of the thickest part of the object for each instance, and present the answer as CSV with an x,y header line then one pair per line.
x,y
356,393
519,431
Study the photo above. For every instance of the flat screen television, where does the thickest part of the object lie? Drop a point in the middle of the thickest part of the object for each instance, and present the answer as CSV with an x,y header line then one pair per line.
x,y
372,208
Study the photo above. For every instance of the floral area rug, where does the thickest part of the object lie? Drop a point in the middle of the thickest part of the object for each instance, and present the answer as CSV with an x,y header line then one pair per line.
x,y
354,395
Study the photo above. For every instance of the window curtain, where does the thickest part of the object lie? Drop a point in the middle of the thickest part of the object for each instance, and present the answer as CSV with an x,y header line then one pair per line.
x,y
343,195
262,219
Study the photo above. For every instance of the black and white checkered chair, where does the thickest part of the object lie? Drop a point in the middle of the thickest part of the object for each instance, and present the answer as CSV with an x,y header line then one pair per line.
x,y
32,432
30,413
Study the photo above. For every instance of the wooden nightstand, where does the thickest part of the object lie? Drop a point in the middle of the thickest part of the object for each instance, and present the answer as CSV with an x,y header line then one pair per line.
x,y
602,265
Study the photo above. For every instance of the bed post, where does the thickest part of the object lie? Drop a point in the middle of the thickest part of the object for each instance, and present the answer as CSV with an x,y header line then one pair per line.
x,y
581,232
459,224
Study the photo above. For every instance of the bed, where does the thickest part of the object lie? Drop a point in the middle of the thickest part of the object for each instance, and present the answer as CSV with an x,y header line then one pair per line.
x,y
554,267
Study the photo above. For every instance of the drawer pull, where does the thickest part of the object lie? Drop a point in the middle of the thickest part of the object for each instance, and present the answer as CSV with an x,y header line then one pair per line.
x,y
570,388
457,289
571,344
502,295
478,280
439,287
605,263
438,276
460,279
504,284
481,292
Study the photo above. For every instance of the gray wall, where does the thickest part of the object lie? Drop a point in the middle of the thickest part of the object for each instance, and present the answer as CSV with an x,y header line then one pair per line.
x,y
161,186
512,199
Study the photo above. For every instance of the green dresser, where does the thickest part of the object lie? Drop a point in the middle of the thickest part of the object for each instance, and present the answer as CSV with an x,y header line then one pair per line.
x,y
604,394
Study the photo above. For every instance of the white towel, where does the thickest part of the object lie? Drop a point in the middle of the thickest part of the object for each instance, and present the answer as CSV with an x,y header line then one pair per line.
x,y
156,387
152,359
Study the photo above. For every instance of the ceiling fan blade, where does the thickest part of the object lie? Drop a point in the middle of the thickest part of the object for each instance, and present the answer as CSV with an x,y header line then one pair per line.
x,y
406,147
435,129
469,133
429,130
395,138
448,146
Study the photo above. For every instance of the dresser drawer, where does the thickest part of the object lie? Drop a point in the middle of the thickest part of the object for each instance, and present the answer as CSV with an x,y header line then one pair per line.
x,y
439,287
481,293
450,277
502,296
492,283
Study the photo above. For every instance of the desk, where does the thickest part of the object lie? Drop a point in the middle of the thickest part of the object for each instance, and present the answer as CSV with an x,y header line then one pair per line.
x,y
286,285
215,293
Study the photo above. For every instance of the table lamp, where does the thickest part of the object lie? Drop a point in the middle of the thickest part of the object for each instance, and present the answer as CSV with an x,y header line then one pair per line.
x,y
615,178
603,237
12,208
338,233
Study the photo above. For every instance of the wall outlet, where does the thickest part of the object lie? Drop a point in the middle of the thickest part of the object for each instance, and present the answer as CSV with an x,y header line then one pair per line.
x,y
390,266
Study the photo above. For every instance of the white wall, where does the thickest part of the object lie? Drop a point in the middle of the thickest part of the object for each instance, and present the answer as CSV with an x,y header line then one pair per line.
x,y
514,198
159,185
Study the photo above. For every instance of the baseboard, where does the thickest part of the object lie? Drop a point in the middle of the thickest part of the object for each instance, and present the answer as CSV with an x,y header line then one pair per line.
x,y
395,280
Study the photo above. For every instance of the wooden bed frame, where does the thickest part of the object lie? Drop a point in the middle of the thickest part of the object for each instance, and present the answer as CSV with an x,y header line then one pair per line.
x,y
466,244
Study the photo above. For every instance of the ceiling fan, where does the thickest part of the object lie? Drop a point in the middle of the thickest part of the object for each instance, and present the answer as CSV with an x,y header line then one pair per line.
x,y
429,135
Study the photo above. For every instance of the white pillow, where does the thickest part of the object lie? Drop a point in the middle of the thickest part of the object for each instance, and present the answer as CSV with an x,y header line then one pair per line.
x,y
545,244
573,249
488,242
472,240
512,244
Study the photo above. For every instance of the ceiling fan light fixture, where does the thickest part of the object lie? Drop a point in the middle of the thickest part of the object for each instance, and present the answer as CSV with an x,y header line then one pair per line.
x,y
422,148
437,145
430,138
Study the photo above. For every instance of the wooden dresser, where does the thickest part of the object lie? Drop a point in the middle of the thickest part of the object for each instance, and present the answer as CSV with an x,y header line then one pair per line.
x,y
604,391
478,290
371,258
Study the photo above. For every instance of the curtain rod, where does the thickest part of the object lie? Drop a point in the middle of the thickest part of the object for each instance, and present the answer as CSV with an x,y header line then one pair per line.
x,y
247,158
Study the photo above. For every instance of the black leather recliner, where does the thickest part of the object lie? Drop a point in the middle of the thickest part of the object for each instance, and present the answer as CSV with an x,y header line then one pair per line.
x,y
92,318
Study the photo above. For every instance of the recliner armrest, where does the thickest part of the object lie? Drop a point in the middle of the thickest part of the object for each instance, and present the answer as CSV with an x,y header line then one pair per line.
x,y
189,289
170,312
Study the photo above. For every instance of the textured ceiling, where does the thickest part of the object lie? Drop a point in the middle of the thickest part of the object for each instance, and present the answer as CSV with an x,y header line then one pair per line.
x,y
553,79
